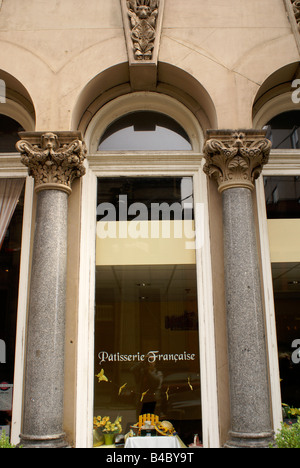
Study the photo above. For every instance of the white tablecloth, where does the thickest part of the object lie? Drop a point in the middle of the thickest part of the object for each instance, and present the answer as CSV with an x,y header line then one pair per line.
x,y
153,442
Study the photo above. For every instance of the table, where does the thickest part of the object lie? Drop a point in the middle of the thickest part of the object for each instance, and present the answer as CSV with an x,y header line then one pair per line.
x,y
154,442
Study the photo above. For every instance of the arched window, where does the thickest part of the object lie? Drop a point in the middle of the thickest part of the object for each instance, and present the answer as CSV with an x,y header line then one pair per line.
x,y
284,130
9,129
145,131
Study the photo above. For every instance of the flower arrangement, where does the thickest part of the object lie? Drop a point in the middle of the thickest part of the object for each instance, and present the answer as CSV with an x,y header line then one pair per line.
x,y
107,426
290,413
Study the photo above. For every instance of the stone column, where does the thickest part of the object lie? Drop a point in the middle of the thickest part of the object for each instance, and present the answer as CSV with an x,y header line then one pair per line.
x,y
54,160
235,160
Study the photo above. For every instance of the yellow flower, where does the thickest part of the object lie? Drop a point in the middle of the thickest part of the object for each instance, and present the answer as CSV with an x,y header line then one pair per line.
x,y
107,426
102,377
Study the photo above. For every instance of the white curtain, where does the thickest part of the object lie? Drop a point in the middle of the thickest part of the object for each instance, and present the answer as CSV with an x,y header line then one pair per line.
x,y
10,191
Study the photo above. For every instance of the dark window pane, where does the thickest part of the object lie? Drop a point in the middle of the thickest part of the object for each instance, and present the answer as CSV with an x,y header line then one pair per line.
x,y
9,129
282,197
283,130
163,198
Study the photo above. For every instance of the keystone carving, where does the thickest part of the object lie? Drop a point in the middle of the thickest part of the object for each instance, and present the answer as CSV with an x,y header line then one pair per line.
x,y
143,20
296,8
53,159
236,159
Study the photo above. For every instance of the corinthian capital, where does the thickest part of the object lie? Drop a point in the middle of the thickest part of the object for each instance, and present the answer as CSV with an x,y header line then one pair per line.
x,y
235,158
53,159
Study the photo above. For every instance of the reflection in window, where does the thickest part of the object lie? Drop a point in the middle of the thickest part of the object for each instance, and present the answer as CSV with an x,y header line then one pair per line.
x,y
146,321
160,199
145,131
284,130
283,211
283,197
9,129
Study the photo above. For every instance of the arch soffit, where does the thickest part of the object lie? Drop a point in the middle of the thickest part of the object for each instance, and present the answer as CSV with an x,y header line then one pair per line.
x,y
275,96
17,104
172,85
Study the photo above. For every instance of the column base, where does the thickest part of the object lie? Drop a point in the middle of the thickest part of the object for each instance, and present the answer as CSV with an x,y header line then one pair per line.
x,y
248,440
40,442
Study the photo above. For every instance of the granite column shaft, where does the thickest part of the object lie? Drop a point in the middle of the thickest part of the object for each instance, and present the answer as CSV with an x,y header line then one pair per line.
x,y
235,160
54,160
248,366
44,389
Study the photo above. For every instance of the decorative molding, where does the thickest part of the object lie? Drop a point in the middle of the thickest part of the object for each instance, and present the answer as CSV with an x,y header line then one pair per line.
x,y
236,158
296,9
142,21
143,18
53,159
293,13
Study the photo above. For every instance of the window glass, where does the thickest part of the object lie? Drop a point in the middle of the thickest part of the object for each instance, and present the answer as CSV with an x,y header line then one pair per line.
x,y
283,210
283,130
157,196
145,131
146,322
9,284
9,129
283,196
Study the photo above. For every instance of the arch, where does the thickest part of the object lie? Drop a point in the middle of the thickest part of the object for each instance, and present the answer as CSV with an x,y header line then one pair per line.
x,y
17,103
275,96
139,101
115,82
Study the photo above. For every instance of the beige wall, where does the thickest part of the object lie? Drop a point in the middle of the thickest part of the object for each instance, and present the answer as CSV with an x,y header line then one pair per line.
x,y
64,59
56,48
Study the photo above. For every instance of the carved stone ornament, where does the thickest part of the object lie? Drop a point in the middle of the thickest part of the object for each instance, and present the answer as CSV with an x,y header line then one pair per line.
x,y
53,159
296,8
236,159
143,20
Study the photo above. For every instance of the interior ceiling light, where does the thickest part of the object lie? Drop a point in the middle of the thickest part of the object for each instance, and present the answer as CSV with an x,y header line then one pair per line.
x,y
295,282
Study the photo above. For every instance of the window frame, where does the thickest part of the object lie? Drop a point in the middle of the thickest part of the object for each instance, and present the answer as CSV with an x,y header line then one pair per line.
x,y
281,163
143,164
141,101
12,168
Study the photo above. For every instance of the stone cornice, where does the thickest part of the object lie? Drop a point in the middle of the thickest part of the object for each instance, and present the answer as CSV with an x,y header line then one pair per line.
x,y
235,158
53,159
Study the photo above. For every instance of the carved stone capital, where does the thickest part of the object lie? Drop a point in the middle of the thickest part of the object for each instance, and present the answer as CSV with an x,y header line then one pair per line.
x,y
235,158
53,159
